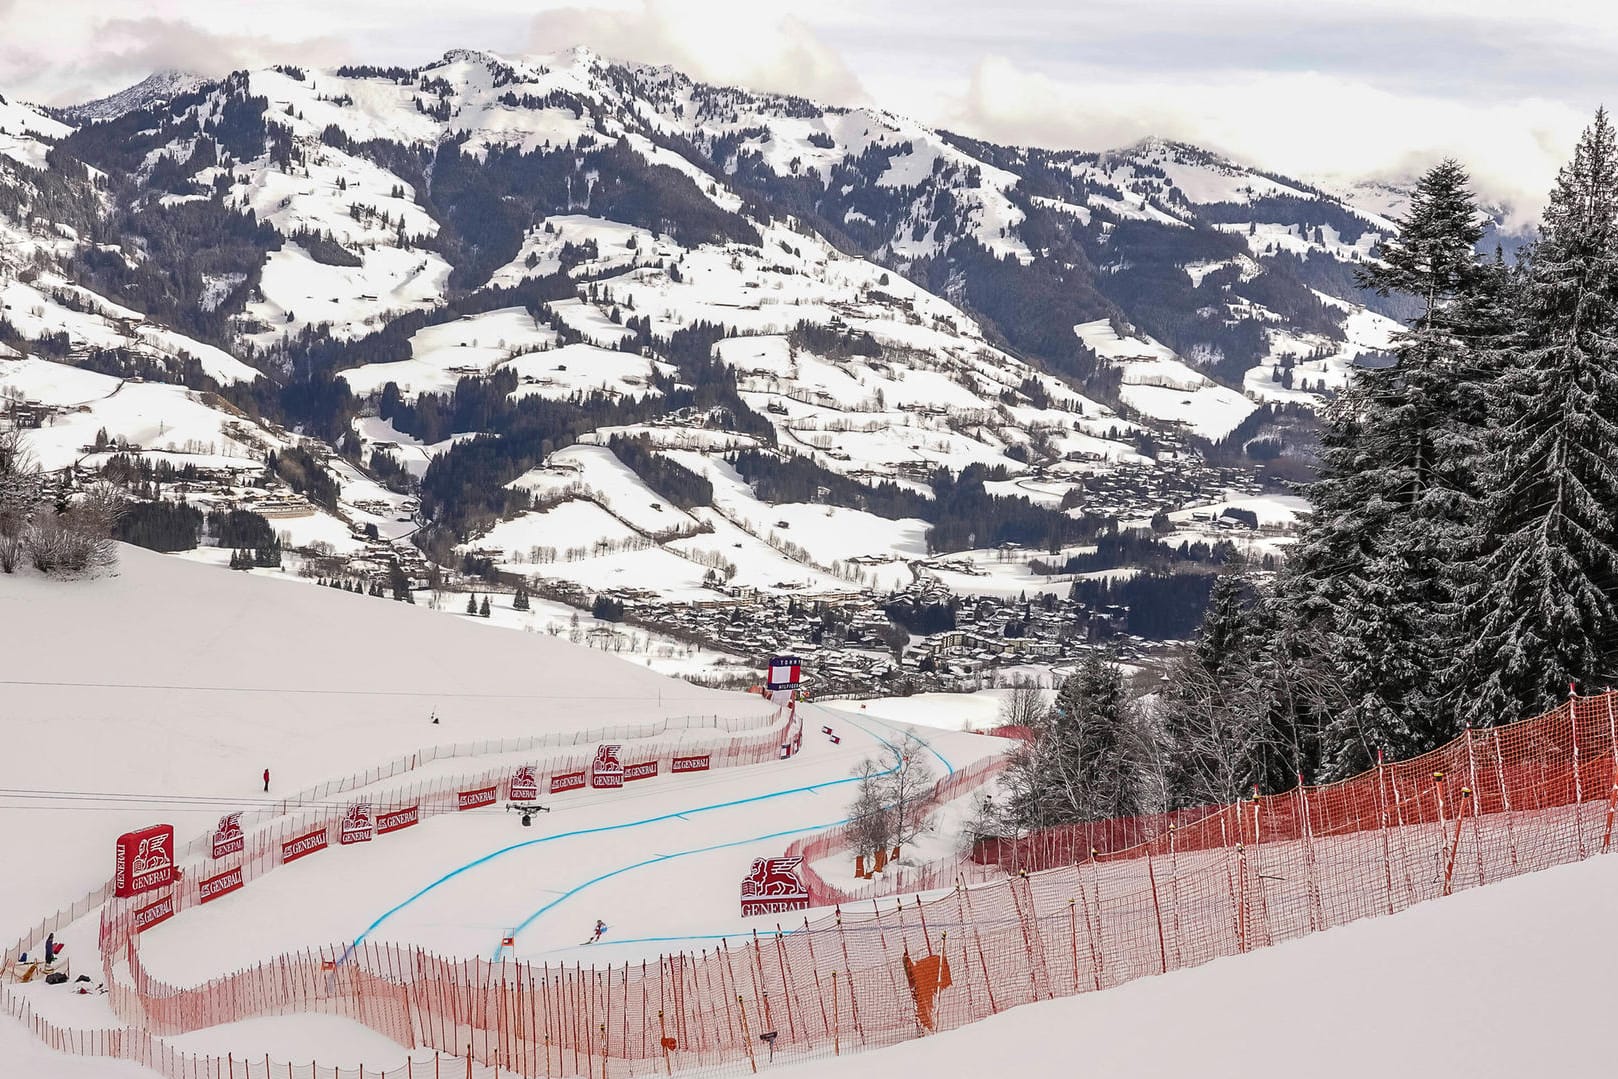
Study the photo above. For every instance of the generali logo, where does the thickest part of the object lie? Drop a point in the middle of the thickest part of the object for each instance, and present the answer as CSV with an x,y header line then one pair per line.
x,y
772,886
695,763
357,826
223,884
294,849
394,819
228,838
644,770
524,784
483,796
567,781
161,911
143,860
606,770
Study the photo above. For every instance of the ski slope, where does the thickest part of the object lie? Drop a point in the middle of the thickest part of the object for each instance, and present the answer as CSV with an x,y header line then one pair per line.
x,y
226,673
1504,981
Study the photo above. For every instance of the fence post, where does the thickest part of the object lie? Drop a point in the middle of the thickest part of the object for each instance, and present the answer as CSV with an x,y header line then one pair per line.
x,y
1460,818
1157,911
1612,795
1472,772
1382,815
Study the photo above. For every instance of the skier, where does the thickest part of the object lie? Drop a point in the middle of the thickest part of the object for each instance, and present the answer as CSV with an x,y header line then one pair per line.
x,y
601,927
266,781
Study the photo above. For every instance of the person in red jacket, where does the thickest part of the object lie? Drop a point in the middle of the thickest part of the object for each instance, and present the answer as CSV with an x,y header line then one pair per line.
x,y
266,781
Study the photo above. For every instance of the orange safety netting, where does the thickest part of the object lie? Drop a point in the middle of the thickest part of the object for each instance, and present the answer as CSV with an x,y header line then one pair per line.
x,y
1160,893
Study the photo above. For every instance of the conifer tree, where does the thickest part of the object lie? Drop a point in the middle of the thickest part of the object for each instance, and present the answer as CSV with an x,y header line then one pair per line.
x,y
1546,610
1086,761
472,604
483,611
520,601
1396,499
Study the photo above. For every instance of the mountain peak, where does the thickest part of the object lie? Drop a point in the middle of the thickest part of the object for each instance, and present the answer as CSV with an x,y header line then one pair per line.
x,y
155,88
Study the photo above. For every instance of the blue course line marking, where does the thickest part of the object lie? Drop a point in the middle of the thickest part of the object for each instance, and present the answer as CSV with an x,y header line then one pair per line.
x,y
576,889
680,815
912,730
598,829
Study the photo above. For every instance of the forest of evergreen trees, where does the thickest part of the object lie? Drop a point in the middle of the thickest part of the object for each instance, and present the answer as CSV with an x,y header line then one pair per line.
x,y
1460,567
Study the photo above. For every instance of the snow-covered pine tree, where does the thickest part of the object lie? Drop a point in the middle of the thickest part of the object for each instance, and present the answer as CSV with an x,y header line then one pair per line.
x,y
1546,612
472,604
1396,499
1086,761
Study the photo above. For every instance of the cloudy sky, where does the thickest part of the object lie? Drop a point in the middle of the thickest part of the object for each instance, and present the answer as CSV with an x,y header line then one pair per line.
x,y
1319,88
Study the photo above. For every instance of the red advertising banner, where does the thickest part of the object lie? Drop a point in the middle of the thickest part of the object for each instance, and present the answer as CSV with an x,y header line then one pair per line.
x,y
214,887
644,770
394,819
773,886
567,781
143,860
524,785
228,837
606,770
158,912
695,763
293,849
357,825
483,796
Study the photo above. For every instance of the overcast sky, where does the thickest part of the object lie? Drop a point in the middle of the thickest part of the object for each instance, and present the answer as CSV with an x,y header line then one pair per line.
x,y
1318,88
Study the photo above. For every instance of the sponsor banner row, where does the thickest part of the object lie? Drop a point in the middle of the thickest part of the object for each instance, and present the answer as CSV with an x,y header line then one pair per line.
x,y
154,914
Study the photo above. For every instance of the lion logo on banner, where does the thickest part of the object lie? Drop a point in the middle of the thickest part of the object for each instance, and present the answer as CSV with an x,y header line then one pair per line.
x,y
230,828
607,759
524,784
152,855
358,817
773,878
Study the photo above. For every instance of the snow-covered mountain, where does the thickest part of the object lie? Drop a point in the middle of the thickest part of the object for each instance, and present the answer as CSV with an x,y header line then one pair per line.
x,y
782,322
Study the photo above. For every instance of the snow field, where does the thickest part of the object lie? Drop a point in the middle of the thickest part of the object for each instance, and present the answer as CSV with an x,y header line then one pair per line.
x,y
177,695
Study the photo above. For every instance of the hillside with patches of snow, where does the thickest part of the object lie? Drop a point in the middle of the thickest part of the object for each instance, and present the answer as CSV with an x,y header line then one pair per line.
x,y
845,344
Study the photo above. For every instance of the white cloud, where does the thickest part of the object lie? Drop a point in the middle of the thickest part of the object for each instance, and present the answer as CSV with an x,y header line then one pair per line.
x,y
1306,124
732,42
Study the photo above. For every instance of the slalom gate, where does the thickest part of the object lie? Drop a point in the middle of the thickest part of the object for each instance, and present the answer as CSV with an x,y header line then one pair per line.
x,y
1085,908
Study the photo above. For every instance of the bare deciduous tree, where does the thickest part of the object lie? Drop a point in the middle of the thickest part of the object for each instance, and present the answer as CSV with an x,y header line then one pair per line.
x,y
894,801
1024,705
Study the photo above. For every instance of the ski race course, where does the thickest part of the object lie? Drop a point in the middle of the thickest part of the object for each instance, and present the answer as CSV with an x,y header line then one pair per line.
x,y
434,934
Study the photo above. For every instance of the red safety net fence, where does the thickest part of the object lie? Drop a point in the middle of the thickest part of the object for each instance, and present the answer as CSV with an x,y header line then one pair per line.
x,y
1491,805
836,847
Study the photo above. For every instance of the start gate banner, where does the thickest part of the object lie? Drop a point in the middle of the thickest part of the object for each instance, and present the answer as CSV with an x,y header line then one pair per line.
x,y
773,886
357,825
228,837
567,781
394,819
524,784
785,673
158,912
483,796
214,887
698,762
293,849
606,770
143,860
644,770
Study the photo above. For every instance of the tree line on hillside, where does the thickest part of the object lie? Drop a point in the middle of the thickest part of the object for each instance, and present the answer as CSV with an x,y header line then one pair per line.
x,y
1460,566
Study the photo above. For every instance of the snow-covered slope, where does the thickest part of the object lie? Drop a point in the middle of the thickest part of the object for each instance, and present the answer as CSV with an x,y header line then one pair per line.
x,y
1388,996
